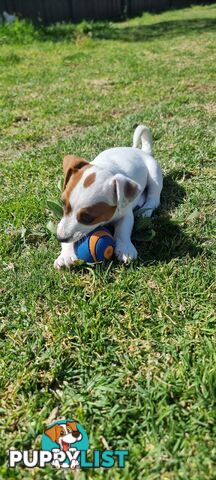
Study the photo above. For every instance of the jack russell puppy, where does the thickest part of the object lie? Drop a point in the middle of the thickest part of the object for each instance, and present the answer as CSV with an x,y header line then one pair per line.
x,y
65,435
106,191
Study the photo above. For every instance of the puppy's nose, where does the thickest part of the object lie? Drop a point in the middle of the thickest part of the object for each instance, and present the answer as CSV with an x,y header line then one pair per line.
x,y
76,433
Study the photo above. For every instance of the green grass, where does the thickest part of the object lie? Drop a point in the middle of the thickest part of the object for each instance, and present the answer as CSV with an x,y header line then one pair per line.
x,y
128,351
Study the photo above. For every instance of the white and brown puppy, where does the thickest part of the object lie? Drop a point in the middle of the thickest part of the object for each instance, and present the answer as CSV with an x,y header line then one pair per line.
x,y
64,434
106,191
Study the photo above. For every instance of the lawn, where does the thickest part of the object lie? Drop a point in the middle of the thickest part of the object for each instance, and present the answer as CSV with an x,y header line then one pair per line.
x,y
129,351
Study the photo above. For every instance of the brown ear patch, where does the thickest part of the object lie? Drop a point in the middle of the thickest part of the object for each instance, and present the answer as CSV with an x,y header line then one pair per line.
x,y
130,190
89,180
100,212
75,431
72,425
73,181
54,432
72,164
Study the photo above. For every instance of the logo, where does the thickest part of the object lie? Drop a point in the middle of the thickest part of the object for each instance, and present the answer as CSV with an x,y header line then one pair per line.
x,y
66,439
65,445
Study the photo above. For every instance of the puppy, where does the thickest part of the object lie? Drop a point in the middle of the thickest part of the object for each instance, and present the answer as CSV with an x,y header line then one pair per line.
x,y
106,191
64,434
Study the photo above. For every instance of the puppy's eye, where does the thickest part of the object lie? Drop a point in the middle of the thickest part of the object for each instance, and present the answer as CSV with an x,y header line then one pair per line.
x,y
69,430
86,218
62,432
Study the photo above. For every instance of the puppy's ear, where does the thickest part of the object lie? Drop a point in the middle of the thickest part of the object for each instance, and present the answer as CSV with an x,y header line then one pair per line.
x,y
51,433
125,190
72,164
72,425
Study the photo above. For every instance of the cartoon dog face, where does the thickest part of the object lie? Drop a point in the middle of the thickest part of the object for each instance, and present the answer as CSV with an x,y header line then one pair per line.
x,y
64,434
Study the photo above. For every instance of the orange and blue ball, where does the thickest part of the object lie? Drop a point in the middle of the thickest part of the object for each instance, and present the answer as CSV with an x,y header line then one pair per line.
x,y
97,246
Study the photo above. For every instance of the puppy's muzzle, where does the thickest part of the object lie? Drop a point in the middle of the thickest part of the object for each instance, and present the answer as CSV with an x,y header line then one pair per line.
x,y
72,238
63,239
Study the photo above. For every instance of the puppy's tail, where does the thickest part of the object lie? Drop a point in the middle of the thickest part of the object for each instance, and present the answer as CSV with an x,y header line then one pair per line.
x,y
143,135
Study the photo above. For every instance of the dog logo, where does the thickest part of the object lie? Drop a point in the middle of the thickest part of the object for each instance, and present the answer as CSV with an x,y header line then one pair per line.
x,y
65,445
65,438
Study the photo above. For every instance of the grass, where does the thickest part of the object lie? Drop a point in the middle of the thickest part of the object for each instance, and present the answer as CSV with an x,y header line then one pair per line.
x,y
128,351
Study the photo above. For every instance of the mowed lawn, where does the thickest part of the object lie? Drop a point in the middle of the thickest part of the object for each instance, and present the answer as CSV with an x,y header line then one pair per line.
x,y
127,351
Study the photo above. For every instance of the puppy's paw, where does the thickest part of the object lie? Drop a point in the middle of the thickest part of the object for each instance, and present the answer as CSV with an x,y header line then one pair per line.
x,y
125,252
74,464
56,464
64,261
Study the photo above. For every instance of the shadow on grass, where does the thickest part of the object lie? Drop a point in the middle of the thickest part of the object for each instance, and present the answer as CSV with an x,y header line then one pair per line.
x,y
109,31
157,30
170,240
24,32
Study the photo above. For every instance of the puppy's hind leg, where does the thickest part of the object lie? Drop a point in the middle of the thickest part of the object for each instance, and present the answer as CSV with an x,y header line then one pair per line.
x,y
153,190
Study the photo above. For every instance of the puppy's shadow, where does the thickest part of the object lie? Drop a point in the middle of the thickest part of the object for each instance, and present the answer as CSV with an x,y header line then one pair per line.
x,y
170,240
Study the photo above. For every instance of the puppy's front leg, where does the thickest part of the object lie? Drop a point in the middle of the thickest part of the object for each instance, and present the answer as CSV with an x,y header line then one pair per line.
x,y
66,257
124,249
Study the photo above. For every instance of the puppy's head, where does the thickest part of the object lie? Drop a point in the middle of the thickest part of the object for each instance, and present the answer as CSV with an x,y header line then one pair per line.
x,y
64,434
92,196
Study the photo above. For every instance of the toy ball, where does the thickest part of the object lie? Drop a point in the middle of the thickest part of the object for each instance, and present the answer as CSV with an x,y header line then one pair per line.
x,y
97,246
